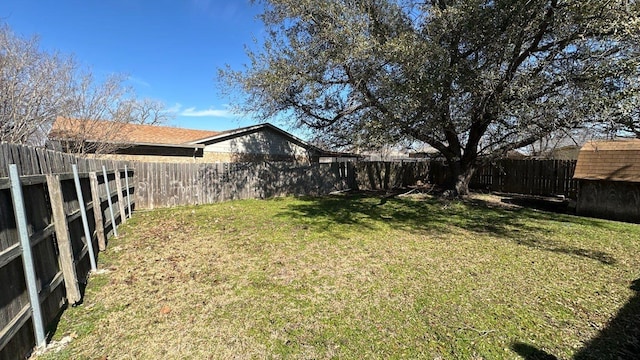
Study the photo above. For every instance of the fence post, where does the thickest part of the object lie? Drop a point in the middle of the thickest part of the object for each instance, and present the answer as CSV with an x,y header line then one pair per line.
x,y
106,185
123,217
97,211
83,214
27,256
67,262
126,180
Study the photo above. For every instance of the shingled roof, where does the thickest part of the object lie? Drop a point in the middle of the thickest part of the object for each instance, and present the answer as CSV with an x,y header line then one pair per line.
x,y
65,128
609,160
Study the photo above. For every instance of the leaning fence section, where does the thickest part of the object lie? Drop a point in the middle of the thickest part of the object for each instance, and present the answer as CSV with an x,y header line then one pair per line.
x,y
36,161
52,228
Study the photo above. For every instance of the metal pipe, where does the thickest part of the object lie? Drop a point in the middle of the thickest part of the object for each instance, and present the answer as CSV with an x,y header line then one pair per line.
x,y
83,214
106,184
27,256
126,181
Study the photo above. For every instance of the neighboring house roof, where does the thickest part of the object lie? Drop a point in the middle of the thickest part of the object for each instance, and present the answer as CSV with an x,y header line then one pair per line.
x,y
136,134
569,152
515,155
609,160
98,130
225,135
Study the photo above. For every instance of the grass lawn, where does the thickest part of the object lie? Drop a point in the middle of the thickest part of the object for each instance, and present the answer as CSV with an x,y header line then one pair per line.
x,y
355,277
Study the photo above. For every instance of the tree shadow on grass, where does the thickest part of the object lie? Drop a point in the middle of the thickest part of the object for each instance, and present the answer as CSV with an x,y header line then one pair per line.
x,y
619,340
434,215
621,337
539,203
529,352
556,247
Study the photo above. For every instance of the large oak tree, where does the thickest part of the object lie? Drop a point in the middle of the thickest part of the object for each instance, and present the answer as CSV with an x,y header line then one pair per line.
x,y
472,78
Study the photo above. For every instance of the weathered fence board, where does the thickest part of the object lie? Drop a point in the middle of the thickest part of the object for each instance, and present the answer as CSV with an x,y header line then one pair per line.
x,y
96,206
65,246
388,175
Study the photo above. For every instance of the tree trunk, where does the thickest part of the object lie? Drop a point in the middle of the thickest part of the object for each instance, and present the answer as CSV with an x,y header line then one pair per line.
x,y
458,177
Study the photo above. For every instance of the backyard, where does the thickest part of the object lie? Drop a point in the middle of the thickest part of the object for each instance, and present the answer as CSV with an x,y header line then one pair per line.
x,y
360,276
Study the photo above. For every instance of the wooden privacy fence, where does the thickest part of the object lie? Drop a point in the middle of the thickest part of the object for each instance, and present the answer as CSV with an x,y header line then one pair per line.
x,y
528,177
379,175
172,184
51,230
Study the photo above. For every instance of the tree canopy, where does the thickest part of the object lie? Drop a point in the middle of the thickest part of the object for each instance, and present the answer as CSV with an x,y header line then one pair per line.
x,y
472,78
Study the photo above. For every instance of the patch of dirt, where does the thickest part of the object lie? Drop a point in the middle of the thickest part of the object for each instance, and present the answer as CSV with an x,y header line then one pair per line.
x,y
54,346
492,200
514,201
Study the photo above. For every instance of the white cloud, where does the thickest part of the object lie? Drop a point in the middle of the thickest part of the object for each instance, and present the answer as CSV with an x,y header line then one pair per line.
x,y
175,108
139,81
208,112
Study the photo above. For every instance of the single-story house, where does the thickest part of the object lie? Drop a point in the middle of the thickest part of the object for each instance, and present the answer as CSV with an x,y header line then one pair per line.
x,y
516,155
263,142
568,152
608,174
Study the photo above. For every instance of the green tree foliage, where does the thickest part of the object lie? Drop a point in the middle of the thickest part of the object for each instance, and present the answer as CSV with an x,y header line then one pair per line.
x,y
472,78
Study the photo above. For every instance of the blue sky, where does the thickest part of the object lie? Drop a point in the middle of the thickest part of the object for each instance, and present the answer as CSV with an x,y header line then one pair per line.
x,y
171,49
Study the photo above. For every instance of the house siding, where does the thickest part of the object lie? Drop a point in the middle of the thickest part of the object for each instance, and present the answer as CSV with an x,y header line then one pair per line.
x,y
258,146
214,157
